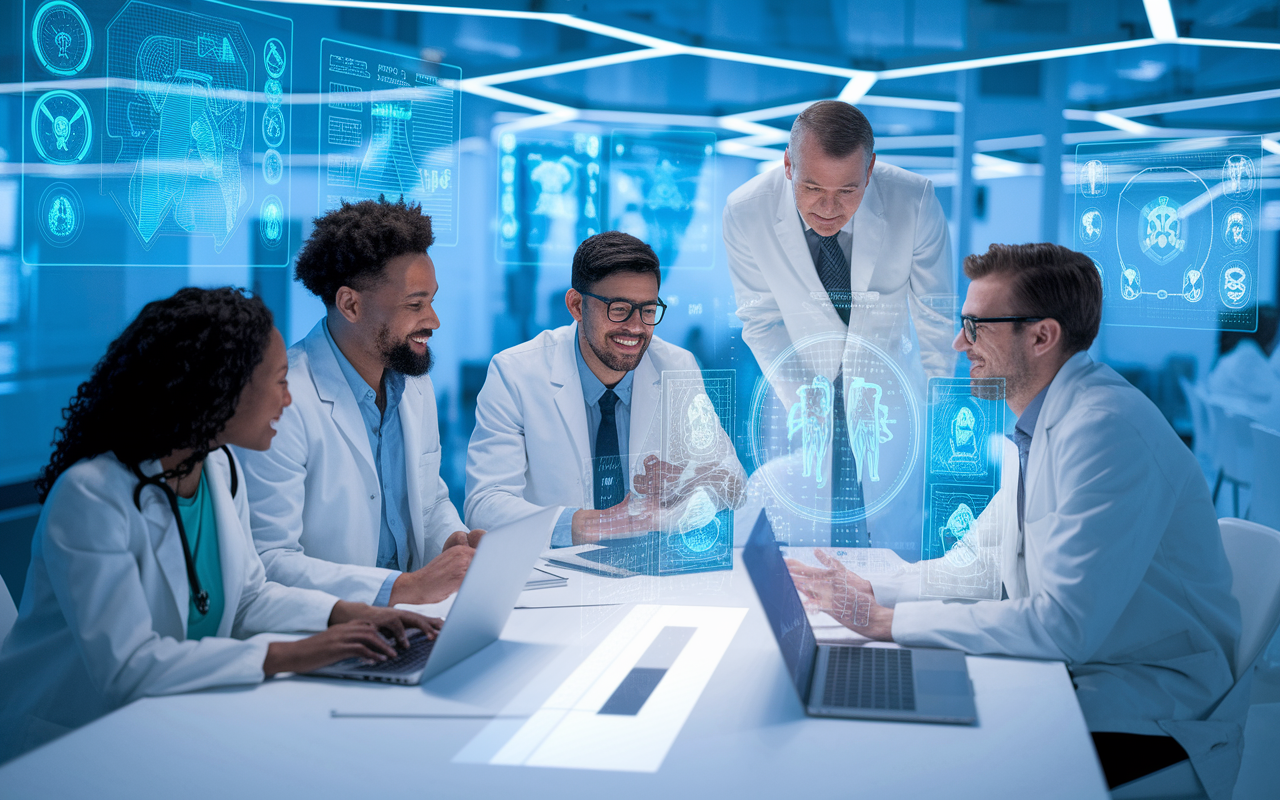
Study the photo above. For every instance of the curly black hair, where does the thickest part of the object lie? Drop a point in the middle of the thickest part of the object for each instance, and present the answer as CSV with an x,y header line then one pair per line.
x,y
170,382
352,244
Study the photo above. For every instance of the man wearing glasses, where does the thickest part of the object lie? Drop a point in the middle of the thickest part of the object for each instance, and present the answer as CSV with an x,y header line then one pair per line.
x,y
1110,552
570,418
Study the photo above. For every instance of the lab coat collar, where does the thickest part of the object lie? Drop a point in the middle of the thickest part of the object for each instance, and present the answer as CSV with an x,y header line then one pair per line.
x,y
1057,400
568,397
788,227
333,389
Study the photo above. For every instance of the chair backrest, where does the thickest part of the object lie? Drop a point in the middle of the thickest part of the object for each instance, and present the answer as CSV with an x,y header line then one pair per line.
x,y
1200,436
8,611
1254,553
1264,503
1232,443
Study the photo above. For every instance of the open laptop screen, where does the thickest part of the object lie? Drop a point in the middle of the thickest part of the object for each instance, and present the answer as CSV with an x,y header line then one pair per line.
x,y
781,603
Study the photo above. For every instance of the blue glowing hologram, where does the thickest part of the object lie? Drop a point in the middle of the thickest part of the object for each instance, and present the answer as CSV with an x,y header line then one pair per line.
x,y
389,127
61,127
272,167
869,425
274,57
273,92
660,189
273,126
810,416
966,423
62,38
62,214
1166,222
550,197
271,221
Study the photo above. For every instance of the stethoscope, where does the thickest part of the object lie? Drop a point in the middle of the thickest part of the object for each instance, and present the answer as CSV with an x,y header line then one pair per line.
x,y
198,593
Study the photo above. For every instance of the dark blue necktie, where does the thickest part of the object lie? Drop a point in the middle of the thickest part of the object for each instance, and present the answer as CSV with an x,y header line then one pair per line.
x,y
607,465
846,491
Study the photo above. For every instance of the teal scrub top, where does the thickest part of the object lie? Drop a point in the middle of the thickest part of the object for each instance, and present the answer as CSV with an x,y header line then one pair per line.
x,y
202,535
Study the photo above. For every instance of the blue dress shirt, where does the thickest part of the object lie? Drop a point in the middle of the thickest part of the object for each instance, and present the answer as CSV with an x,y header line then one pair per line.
x,y
592,391
386,442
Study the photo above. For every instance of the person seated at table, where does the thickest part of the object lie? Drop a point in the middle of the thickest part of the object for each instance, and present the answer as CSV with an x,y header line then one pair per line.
x,y
1111,557
567,417
349,498
144,579
1246,363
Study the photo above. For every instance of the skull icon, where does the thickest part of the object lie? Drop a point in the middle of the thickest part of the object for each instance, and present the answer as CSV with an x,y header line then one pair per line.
x,y
1237,229
1235,285
1162,240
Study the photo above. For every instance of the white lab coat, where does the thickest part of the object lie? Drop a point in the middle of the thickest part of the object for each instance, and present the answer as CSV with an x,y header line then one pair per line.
x,y
103,619
1122,573
531,448
900,272
315,500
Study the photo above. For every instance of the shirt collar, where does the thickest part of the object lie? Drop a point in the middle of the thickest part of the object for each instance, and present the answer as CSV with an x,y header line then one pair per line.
x,y
592,387
1027,421
393,381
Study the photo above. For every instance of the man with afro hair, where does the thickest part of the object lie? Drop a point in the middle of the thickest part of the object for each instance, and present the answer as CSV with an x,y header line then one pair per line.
x,y
349,498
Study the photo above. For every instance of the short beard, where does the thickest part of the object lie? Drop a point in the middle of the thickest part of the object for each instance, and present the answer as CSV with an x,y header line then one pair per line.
x,y
614,361
399,356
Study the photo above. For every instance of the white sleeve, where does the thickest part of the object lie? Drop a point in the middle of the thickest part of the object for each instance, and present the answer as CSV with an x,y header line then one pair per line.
x,y
763,329
932,287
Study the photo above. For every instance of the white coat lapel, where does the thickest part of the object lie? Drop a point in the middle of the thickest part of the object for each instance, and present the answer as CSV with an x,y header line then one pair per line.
x,y
868,237
231,541
163,530
568,397
411,422
332,388
646,394
799,270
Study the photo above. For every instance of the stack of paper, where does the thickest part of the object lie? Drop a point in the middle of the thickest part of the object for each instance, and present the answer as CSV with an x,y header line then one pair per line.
x,y
541,579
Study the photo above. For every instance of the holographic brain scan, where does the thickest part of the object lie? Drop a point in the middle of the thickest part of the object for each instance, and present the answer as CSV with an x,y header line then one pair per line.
x,y
550,196
170,140
388,126
1170,225
965,431
793,417
661,185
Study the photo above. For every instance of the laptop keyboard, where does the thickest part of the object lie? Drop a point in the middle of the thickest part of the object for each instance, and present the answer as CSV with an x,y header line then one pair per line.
x,y
869,677
408,661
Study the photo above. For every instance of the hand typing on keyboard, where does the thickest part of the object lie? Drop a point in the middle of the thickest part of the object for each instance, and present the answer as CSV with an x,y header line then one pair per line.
x,y
844,595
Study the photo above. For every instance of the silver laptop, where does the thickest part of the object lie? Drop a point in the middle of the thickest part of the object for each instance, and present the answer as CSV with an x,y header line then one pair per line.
x,y
488,593
912,684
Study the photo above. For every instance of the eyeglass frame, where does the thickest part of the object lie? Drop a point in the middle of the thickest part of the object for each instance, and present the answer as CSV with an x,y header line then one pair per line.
x,y
969,324
609,301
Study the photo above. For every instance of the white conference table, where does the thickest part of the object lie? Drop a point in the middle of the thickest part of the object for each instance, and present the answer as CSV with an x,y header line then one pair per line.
x,y
747,735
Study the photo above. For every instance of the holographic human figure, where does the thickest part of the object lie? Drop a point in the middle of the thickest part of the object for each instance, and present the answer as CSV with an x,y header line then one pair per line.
x,y
388,166
869,419
1162,239
810,416
700,436
964,442
1130,283
554,179
1193,285
960,551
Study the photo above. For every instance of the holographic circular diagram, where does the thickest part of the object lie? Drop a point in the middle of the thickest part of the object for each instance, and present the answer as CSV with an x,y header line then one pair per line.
x,y
273,126
62,38
1237,229
1236,287
271,220
61,127
61,214
272,166
274,57
272,91
793,417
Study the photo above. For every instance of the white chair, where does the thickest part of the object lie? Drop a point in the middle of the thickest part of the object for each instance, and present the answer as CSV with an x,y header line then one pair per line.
x,y
1232,448
1201,438
1264,501
1253,551
8,611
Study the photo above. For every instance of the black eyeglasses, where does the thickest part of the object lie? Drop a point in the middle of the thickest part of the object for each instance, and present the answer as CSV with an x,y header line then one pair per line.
x,y
971,324
621,309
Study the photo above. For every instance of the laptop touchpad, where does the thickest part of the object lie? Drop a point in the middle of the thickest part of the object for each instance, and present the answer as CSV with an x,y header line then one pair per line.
x,y
941,681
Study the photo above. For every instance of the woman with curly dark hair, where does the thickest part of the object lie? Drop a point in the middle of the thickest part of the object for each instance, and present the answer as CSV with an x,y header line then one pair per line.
x,y
144,579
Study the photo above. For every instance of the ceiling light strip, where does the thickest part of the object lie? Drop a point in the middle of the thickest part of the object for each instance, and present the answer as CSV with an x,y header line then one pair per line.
x,y
546,70
1160,18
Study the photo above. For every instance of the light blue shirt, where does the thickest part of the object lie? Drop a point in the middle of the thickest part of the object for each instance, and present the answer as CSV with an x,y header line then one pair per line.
x,y
386,442
592,391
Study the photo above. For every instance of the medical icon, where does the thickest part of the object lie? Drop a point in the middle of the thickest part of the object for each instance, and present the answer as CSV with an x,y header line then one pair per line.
x,y
701,434
550,197
272,166
1130,283
810,416
62,38
1092,179
869,425
1193,285
658,182
554,179
959,552
1235,290
1237,229
1090,226
274,57
61,127
271,220
61,214
1237,177
964,444
273,92
273,126
698,526
1162,241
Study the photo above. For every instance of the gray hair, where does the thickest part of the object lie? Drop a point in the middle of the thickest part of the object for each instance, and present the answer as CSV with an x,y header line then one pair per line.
x,y
840,129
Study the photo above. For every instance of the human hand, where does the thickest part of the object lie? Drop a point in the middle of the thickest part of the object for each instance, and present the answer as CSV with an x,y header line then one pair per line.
x,y
637,514
358,638
844,595
673,485
474,537
436,581
468,538
392,621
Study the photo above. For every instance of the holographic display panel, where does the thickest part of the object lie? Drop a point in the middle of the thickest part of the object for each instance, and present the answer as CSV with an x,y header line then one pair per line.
x,y
188,142
389,126
697,423
662,190
550,193
1172,227
965,447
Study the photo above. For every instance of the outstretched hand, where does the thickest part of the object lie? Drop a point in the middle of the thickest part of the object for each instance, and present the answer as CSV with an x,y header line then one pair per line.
x,y
844,595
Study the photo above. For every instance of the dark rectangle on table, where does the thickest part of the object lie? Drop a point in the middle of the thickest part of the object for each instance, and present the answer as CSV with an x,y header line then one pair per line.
x,y
634,690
